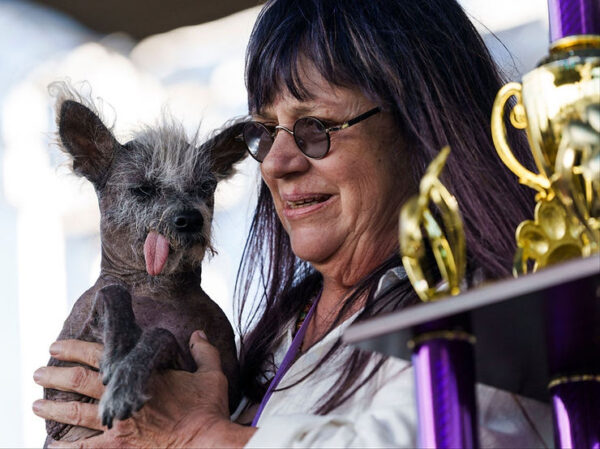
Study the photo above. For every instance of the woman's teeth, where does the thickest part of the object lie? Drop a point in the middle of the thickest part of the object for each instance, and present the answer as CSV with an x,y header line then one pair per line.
x,y
307,201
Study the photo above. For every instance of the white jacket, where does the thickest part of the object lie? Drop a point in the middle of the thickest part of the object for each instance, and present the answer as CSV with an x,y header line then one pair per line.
x,y
382,413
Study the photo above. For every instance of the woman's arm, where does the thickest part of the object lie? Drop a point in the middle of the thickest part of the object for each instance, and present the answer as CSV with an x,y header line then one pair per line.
x,y
185,410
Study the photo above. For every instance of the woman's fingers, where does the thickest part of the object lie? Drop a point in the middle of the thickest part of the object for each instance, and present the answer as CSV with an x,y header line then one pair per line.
x,y
77,351
75,379
75,413
205,355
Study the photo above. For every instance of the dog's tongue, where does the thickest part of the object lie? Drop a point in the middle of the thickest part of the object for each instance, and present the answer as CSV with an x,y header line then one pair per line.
x,y
156,251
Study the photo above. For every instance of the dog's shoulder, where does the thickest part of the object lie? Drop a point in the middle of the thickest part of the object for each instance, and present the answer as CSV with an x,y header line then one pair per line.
x,y
83,323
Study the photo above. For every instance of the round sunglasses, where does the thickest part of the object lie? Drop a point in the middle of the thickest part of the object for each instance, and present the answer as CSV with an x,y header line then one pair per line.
x,y
310,134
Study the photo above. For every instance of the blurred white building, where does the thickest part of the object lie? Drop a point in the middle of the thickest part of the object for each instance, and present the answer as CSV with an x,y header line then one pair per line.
x,y
49,243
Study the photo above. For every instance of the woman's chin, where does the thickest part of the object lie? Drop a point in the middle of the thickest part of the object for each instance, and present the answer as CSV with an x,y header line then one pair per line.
x,y
315,247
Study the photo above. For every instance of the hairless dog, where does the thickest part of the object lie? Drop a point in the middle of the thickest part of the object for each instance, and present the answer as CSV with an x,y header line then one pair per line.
x,y
156,197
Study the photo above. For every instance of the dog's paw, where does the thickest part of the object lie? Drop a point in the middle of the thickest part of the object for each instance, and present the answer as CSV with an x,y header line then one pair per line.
x,y
124,394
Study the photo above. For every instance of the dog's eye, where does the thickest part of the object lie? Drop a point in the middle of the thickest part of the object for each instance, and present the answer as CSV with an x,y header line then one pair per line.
x,y
144,191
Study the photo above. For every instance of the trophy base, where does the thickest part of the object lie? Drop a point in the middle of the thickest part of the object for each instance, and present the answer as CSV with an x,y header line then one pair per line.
x,y
576,411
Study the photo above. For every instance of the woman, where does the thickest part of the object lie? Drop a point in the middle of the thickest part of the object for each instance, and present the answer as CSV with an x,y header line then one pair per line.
x,y
351,101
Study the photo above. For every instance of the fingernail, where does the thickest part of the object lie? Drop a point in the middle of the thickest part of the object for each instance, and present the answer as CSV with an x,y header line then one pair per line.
x,y
38,375
37,406
196,334
201,334
55,348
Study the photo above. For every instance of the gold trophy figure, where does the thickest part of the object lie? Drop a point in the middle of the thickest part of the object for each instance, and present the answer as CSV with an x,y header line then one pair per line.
x,y
558,105
447,242
578,171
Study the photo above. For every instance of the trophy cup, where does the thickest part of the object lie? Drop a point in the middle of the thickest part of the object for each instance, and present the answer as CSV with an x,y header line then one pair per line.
x,y
442,351
558,104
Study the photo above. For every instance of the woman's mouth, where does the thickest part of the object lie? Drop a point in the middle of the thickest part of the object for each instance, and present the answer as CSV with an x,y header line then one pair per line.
x,y
308,201
306,204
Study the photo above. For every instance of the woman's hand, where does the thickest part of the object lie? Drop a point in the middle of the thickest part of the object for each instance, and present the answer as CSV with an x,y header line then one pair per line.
x,y
185,409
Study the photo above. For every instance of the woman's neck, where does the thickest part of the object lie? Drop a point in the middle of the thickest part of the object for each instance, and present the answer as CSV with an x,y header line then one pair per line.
x,y
340,275
328,309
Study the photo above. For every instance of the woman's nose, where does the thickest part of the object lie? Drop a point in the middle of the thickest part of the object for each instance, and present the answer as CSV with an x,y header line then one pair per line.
x,y
284,157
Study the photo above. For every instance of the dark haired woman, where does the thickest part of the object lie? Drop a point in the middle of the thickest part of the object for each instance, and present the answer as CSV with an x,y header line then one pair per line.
x,y
351,101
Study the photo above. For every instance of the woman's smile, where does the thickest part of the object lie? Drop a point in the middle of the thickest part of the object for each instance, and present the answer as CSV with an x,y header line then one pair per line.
x,y
300,205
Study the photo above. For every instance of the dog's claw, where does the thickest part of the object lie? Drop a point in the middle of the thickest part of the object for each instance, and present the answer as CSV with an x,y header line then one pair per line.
x,y
125,413
107,420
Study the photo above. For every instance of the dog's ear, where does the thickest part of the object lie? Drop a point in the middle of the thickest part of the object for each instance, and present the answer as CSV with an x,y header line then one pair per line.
x,y
89,142
226,148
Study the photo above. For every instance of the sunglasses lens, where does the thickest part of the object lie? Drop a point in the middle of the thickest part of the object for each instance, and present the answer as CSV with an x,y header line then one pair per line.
x,y
311,137
258,139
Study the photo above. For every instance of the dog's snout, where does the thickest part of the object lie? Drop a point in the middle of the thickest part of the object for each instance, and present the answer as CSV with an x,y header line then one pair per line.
x,y
188,221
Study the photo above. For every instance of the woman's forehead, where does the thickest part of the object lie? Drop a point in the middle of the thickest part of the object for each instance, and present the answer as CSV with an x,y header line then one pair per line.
x,y
317,99
309,89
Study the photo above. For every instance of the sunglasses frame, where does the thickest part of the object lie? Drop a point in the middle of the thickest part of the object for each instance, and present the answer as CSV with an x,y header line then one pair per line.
x,y
272,131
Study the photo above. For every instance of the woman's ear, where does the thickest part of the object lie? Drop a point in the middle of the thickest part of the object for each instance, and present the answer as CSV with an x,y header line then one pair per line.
x,y
89,142
227,148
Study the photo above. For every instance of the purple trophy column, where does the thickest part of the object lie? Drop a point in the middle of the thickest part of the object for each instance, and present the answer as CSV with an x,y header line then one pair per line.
x,y
573,338
576,412
445,390
573,17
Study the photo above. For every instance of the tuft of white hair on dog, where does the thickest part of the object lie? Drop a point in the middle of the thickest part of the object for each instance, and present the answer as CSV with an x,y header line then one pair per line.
x,y
175,155
64,90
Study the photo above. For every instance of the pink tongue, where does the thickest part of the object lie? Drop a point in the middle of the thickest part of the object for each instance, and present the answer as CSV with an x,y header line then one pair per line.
x,y
156,251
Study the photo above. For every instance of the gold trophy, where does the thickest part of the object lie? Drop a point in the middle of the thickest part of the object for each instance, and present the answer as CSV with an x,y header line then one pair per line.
x,y
558,104
447,241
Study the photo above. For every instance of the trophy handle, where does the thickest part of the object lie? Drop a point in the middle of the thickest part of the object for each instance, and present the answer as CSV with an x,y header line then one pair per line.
x,y
518,119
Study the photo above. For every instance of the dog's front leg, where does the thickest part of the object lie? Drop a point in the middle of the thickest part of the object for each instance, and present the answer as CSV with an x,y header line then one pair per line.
x,y
126,391
120,331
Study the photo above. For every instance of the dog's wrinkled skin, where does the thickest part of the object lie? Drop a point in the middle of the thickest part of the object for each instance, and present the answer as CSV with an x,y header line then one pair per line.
x,y
156,202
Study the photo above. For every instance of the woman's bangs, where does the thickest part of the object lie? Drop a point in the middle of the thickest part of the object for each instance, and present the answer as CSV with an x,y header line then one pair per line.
x,y
282,72
275,60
